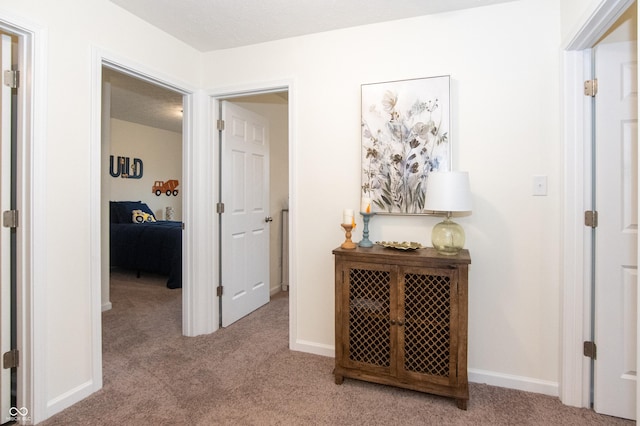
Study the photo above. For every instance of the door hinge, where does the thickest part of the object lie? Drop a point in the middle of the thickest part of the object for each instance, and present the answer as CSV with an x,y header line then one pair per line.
x,y
219,208
220,125
591,218
219,291
589,350
10,218
591,87
12,78
11,359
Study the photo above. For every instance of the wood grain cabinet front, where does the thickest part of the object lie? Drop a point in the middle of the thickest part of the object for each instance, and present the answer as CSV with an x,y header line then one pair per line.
x,y
401,319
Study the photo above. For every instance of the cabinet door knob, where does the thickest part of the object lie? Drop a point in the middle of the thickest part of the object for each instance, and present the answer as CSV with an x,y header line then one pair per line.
x,y
393,322
401,321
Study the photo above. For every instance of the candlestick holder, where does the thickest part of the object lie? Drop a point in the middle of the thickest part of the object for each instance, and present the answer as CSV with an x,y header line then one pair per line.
x,y
348,244
365,242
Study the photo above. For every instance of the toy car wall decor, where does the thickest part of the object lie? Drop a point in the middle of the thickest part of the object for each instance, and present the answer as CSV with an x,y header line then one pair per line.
x,y
168,187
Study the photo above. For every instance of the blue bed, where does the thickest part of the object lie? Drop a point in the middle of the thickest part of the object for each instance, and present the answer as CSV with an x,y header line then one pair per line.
x,y
145,246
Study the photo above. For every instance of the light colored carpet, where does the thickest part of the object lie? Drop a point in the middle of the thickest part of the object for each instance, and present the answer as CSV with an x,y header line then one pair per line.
x,y
246,375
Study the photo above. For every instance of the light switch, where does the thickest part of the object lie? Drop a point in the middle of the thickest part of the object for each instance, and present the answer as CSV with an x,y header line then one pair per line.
x,y
539,185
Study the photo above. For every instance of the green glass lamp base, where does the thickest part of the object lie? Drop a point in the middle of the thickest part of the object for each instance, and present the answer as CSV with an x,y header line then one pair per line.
x,y
447,237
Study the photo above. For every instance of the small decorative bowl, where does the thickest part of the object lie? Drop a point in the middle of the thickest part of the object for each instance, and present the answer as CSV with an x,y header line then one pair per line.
x,y
405,245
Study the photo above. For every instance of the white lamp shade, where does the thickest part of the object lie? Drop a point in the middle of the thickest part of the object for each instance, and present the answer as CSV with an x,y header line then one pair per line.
x,y
448,192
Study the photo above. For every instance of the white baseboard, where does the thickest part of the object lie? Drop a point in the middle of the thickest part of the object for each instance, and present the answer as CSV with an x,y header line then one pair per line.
x,y
106,306
314,348
492,378
522,383
69,398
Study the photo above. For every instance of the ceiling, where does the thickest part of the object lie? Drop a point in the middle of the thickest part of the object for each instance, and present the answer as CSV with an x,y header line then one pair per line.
x,y
208,25
222,24
138,101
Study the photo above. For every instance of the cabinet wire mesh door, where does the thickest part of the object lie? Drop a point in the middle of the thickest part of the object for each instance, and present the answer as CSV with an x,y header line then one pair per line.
x,y
428,344
401,319
369,313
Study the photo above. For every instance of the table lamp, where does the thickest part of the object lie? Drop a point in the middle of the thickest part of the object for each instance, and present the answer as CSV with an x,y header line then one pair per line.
x,y
448,192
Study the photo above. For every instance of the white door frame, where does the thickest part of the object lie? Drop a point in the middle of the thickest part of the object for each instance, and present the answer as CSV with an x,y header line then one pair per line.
x,y
31,183
218,95
195,313
576,296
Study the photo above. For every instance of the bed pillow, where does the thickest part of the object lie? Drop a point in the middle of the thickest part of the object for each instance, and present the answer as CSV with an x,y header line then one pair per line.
x,y
124,210
138,216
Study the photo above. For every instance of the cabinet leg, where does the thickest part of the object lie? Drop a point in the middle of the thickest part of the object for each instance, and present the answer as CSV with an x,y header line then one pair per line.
x,y
339,379
462,404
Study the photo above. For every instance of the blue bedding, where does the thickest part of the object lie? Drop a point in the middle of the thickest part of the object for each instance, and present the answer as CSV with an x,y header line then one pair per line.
x,y
154,247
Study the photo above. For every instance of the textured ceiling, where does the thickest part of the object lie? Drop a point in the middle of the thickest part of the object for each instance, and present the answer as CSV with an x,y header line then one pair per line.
x,y
221,24
138,101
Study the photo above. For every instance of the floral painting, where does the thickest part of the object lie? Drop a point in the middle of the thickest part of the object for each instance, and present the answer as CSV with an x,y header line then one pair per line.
x,y
405,136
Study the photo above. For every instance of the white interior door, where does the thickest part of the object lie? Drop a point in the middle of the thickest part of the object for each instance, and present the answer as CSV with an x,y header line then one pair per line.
x,y
5,233
245,221
616,195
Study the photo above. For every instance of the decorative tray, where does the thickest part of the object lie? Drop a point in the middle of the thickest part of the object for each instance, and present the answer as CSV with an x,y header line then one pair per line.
x,y
400,246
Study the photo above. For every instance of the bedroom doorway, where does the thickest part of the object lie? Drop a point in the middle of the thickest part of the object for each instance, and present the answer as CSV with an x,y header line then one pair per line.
x,y
142,150
273,107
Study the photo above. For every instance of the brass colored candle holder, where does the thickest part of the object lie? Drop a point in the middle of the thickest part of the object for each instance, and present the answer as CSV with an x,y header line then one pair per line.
x,y
348,244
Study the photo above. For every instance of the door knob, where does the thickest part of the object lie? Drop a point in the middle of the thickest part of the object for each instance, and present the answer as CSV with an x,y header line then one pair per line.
x,y
268,219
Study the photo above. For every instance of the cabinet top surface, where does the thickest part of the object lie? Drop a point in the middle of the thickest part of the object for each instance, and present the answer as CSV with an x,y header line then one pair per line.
x,y
391,253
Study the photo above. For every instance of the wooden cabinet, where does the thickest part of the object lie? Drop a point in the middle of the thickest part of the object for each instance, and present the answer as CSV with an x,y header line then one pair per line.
x,y
401,319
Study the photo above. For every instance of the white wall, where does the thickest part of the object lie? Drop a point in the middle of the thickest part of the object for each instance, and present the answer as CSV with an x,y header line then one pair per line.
x,y
161,154
506,129
504,65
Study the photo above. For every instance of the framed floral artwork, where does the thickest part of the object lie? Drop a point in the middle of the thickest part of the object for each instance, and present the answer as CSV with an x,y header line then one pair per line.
x,y
405,136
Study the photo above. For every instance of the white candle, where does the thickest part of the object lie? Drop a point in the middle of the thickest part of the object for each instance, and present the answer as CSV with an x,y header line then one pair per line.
x,y
365,205
347,216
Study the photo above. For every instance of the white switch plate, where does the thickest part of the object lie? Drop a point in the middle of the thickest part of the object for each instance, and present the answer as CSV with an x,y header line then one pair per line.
x,y
539,185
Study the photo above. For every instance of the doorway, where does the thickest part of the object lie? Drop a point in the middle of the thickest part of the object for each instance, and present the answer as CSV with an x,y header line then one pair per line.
x,y
576,293
273,108
142,168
